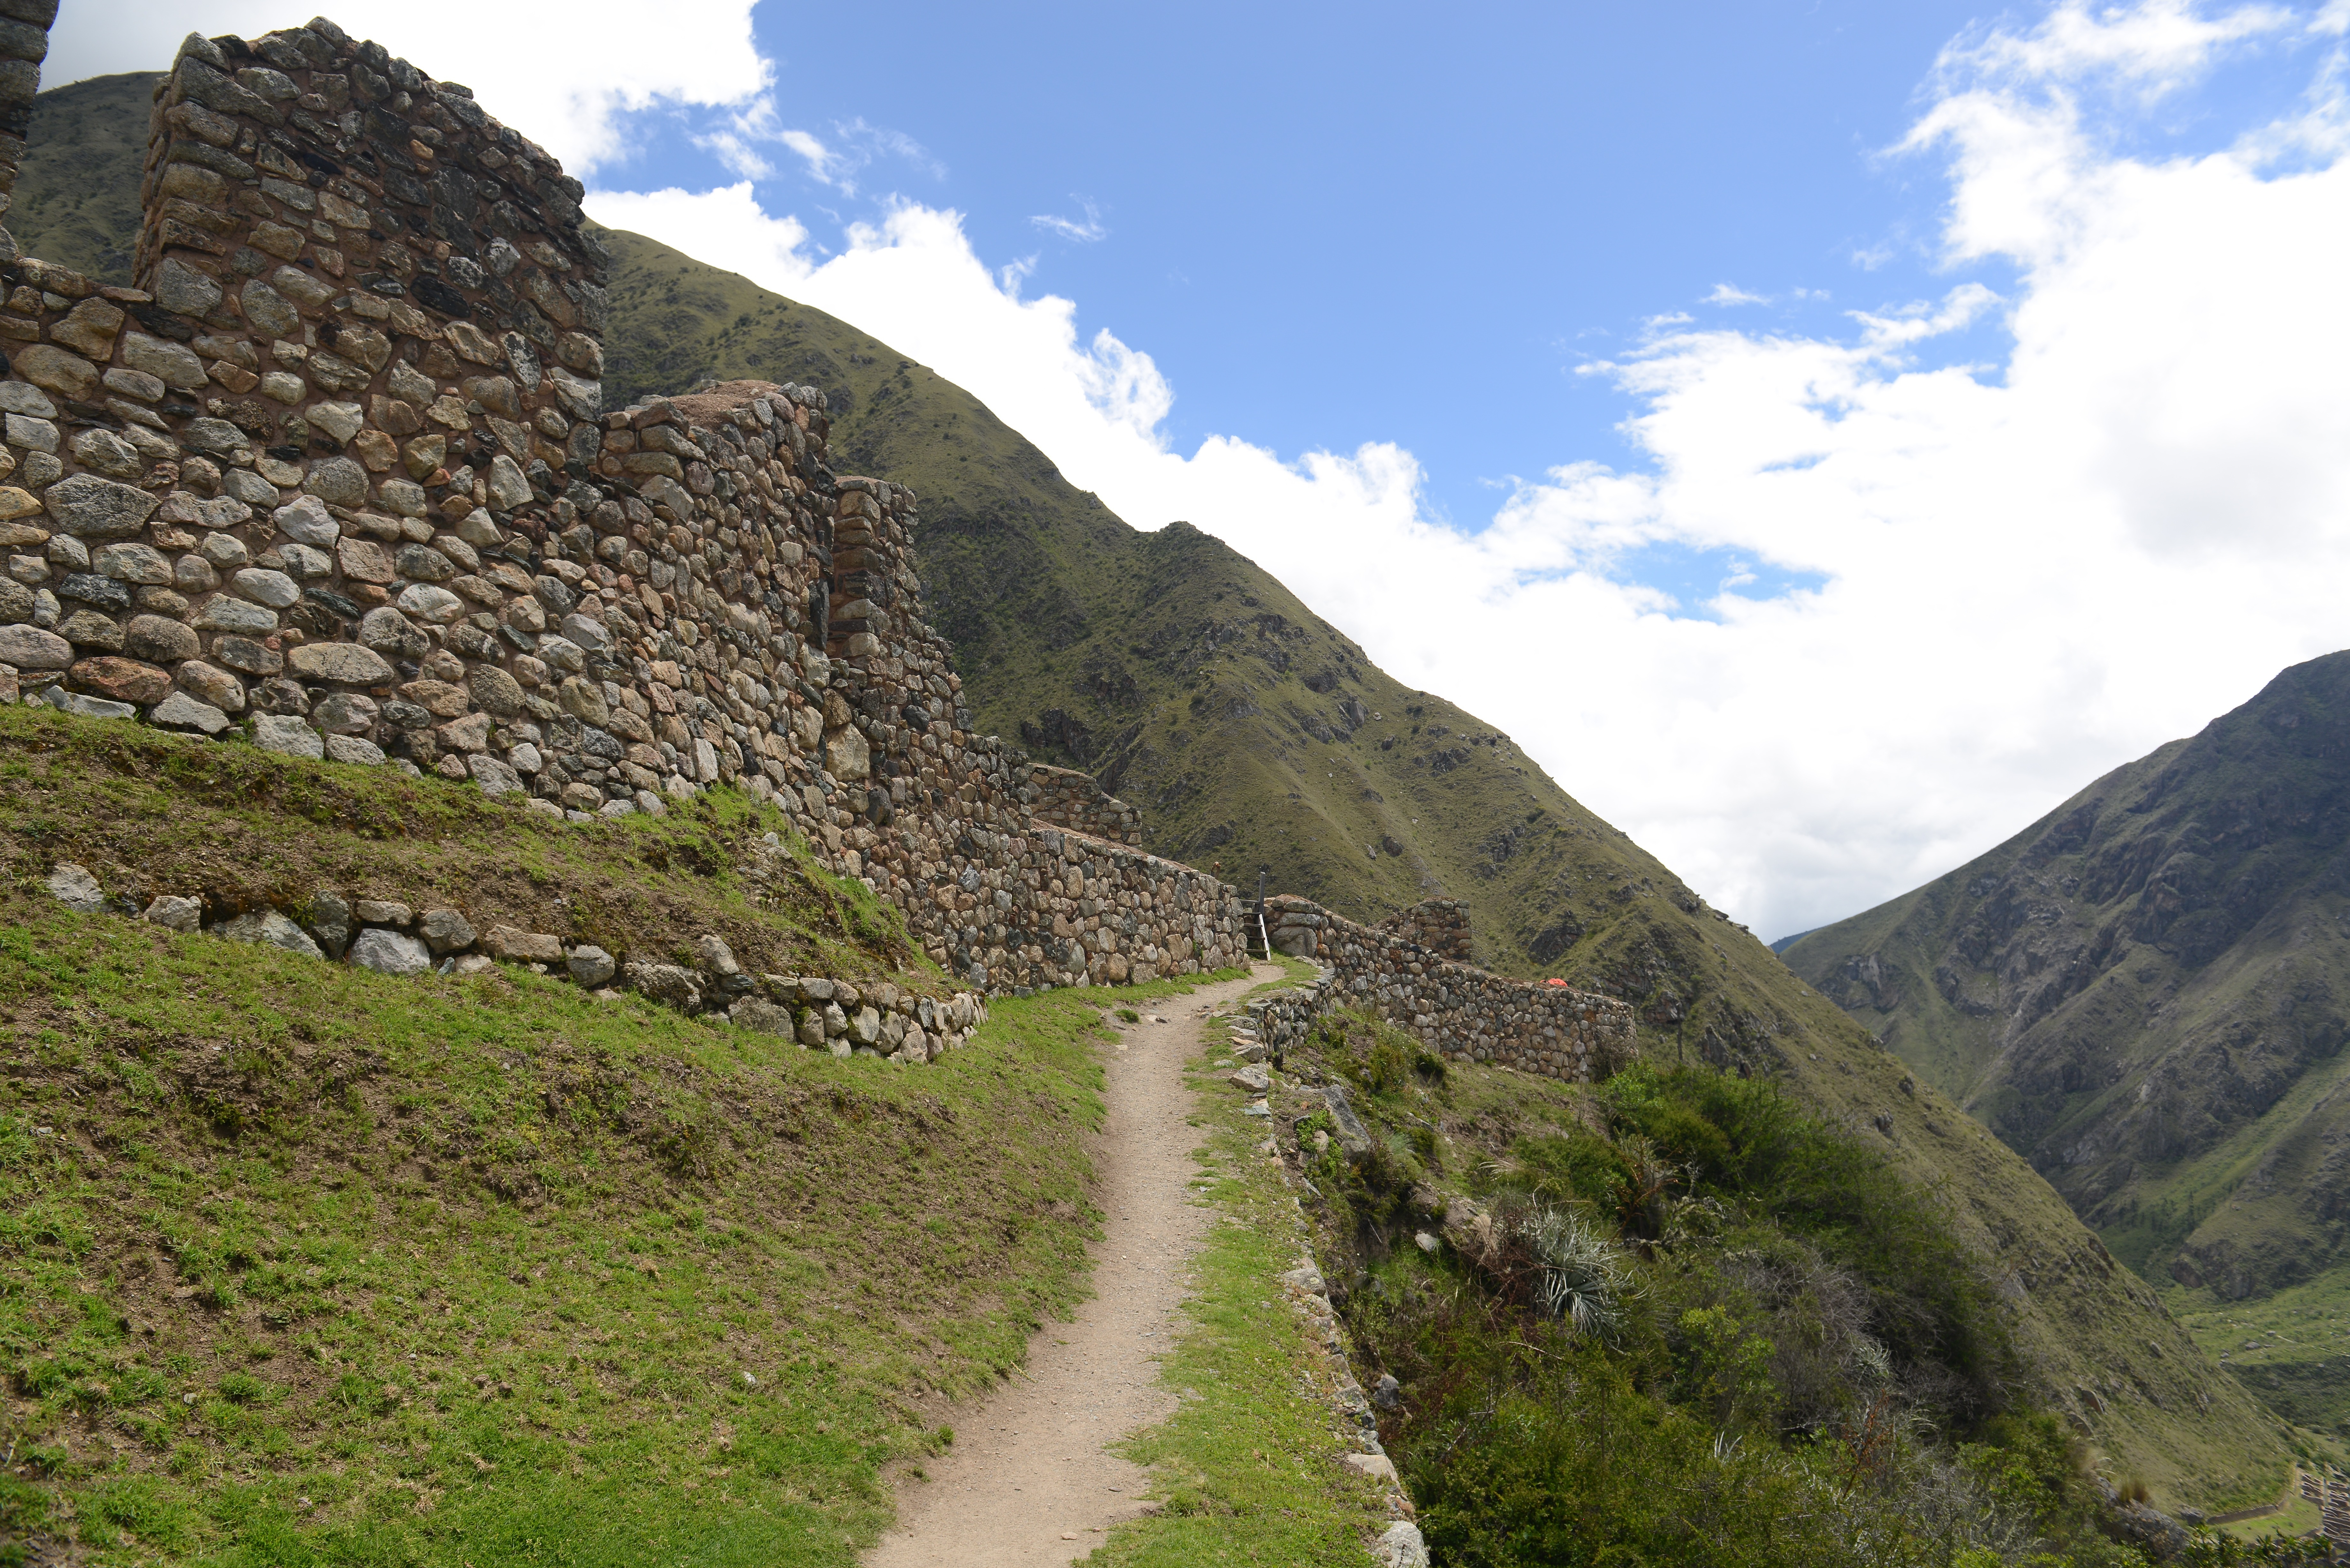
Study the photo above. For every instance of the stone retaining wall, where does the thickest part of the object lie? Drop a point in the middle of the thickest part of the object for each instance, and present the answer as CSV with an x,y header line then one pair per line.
x,y
1452,1008
338,475
1440,925
1071,799
843,1017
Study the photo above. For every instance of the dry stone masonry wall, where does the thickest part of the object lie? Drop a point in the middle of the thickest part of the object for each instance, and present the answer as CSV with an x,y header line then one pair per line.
x,y
338,475
1070,799
1440,925
1461,1011
872,1018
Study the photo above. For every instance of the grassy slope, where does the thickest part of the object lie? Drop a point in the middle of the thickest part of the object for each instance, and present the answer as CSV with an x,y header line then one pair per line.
x,y
77,198
153,813
1049,596
307,1264
2146,993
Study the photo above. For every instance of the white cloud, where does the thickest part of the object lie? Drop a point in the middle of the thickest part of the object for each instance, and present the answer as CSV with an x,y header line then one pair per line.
x,y
725,226
1082,232
1731,294
839,163
562,71
2029,570
2154,48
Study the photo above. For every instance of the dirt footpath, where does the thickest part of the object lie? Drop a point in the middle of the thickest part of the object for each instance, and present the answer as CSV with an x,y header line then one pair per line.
x,y
1027,1484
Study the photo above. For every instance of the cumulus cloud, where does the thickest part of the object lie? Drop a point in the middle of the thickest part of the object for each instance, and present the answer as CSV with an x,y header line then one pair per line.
x,y
2028,569
1731,294
726,225
566,72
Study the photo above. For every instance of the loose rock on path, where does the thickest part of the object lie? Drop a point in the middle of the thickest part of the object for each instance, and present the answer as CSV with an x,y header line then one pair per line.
x,y
1028,1484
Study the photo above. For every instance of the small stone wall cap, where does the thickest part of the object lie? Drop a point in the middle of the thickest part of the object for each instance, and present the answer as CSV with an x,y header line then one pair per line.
x,y
269,926
523,947
591,965
289,735
388,952
86,706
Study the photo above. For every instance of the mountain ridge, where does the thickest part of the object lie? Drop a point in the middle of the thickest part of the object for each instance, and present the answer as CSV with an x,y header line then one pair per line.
x,y
2146,991
2140,865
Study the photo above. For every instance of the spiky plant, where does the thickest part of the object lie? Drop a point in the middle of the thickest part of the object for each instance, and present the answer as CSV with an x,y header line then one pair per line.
x,y
1581,1274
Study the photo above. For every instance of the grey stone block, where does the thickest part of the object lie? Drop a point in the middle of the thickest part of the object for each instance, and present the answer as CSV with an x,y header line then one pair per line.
x,y
289,735
388,952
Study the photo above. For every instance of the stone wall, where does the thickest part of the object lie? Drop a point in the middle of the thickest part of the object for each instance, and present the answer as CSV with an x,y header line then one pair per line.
x,y
1452,1008
1070,799
371,931
338,475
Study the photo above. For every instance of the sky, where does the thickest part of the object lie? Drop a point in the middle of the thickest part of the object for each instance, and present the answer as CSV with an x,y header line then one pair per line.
x,y
1823,435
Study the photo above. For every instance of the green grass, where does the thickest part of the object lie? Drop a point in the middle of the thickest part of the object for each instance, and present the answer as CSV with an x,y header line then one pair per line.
x,y
311,1265
1787,1358
2290,1349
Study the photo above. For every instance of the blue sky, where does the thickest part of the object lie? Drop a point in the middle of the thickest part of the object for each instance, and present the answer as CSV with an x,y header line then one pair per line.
x,y
1331,224
1824,436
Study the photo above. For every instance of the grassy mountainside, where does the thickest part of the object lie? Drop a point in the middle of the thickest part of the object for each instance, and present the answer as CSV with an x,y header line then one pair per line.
x,y
1758,1302
77,200
2146,993
306,1264
1253,733
1230,676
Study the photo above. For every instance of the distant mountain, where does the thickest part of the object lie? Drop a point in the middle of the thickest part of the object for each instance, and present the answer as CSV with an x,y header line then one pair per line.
x,y
1253,733
79,195
2147,993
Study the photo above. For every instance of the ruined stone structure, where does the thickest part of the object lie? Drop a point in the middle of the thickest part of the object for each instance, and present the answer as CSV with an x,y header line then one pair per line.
x,y
1450,1007
338,475
338,470
1075,800
1440,925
